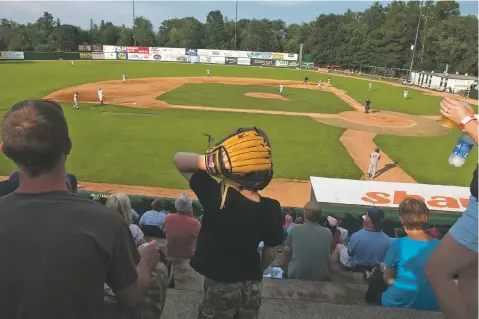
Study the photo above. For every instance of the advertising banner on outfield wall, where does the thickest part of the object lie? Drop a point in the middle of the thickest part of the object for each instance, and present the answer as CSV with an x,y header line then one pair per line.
x,y
212,59
260,55
307,66
192,52
386,194
262,62
193,59
86,56
285,56
122,56
225,53
165,51
281,63
244,61
231,61
110,56
144,50
120,49
138,56
97,47
108,48
98,56
84,48
11,55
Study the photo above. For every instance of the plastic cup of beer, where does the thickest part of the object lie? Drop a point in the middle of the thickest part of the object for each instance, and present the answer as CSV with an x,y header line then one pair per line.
x,y
445,122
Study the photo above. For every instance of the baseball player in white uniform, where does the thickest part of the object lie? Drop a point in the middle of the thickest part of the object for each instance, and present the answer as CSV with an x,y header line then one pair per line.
x,y
281,87
123,77
73,63
319,85
405,94
374,158
329,81
208,72
370,86
100,96
75,100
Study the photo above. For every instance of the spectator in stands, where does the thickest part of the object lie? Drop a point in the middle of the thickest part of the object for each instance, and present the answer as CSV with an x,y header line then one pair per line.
x,y
332,224
182,229
403,267
225,253
308,248
367,247
72,180
288,220
344,233
298,221
135,217
152,222
85,245
120,203
457,252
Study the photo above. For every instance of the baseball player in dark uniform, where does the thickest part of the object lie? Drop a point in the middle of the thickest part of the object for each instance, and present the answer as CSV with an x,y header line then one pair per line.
x,y
305,82
367,106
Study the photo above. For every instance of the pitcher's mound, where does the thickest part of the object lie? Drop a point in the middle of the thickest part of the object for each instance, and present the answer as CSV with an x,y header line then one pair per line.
x,y
260,95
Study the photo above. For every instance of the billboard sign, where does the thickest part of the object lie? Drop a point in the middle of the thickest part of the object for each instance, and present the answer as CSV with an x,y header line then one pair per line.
x,y
120,49
86,56
144,50
110,56
262,62
193,59
84,48
165,51
192,52
385,194
244,61
11,55
97,48
231,61
108,48
290,56
281,63
122,56
260,55
212,59
98,56
138,56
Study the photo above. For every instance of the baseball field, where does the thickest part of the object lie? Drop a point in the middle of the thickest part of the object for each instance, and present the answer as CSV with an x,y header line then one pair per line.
x,y
165,108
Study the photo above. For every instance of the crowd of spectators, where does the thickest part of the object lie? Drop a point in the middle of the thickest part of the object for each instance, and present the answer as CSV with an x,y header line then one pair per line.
x,y
100,260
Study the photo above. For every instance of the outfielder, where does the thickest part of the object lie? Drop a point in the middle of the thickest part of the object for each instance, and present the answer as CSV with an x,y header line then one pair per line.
x,y
208,72
319,85
243,163
100,96
305,82
374,158
73,62
281,86
329,81
405,94
370,86
75,100
123,77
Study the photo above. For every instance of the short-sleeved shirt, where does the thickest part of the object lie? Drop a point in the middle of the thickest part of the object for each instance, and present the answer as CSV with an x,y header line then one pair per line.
x,y
311,245
153,218
58,250
410,288
368,248
227,246
181,234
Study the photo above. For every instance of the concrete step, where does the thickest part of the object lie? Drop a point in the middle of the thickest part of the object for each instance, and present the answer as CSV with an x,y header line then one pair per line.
x,y
181,304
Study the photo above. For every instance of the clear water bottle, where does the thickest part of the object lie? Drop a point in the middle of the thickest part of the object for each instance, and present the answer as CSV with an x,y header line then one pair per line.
x,y
461,150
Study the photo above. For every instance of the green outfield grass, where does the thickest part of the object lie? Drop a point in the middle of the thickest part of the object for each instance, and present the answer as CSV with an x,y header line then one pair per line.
x,y
233,96
120,147
131,149
425,158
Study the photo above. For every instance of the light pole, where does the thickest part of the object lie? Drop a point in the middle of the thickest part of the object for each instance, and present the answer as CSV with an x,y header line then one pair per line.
x,y
415,41
236,21
134,26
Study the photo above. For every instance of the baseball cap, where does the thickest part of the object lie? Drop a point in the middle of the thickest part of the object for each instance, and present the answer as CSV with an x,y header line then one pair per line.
x,y
332,221
375,214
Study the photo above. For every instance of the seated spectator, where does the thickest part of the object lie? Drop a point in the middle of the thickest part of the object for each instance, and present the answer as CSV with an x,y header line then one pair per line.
x,y
135,216
288,220
152,222
182,229
308,248
120,203
331,223
403,268
344,233
367,247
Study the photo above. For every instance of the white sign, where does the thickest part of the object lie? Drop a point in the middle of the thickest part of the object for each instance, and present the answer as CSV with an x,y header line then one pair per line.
x,y
244,61
384,194
98,56
138,56
212,59
165,51
223,53
108,48
11,55
110,56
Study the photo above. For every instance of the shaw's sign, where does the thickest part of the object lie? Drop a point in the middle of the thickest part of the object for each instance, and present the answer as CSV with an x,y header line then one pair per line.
x,y
383,194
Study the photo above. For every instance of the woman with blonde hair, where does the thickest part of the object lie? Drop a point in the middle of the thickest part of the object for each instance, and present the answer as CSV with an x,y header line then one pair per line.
x,y
121,204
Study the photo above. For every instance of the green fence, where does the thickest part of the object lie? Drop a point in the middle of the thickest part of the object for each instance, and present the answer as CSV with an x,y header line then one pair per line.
x,y
51,55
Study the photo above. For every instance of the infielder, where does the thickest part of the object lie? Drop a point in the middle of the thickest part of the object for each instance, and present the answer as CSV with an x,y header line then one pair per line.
x,y
329,81
405,94
261,68
75,100
100,96
123,77
319,85
281,86
370,86
208,72
305,82
374,157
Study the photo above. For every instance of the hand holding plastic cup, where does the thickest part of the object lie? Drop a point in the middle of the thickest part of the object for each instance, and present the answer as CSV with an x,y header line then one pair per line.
x,y
453,112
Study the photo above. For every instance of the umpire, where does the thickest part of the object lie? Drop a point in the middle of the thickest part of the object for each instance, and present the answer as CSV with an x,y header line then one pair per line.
x,y
226,251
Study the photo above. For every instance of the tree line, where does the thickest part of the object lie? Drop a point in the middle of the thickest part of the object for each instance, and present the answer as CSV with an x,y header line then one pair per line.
x,y
381,35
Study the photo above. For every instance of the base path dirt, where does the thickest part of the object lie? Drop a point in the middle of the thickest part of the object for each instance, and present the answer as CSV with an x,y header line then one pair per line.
x,y
260,95
360,144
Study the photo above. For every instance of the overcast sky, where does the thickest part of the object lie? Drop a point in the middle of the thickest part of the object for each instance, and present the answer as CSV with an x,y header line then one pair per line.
x,y
120,12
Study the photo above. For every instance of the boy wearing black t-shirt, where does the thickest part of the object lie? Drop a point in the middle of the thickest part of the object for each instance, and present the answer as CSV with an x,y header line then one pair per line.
x,y
226,251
